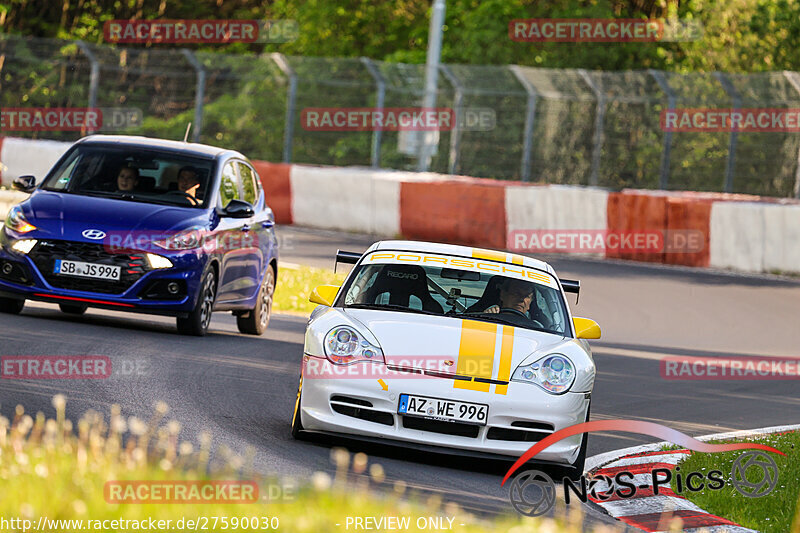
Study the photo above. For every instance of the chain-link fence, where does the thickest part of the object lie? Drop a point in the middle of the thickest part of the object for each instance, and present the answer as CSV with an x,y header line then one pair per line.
x,y
551,125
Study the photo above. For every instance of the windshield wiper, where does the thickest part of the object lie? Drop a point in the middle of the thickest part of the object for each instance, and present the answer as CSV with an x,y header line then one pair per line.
x,y
129,197
99,194
393,307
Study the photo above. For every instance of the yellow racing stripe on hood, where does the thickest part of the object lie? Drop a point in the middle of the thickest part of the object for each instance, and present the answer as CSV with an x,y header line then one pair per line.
x,y
476,353
506,350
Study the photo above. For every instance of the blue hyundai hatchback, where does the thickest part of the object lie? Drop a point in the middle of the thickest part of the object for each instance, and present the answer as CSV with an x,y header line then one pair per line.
x,y
144,225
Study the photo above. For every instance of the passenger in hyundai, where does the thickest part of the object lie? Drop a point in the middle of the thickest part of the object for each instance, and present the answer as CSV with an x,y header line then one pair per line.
x,y
127,179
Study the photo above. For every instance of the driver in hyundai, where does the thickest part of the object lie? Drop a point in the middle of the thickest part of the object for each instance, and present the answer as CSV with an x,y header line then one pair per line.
x,y
189,182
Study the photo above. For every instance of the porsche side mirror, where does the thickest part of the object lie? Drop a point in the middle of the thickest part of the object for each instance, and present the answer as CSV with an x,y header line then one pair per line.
x,y
324,295
586,328
24,183
238,209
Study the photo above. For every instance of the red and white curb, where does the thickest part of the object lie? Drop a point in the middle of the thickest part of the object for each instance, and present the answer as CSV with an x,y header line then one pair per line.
x,y
653,513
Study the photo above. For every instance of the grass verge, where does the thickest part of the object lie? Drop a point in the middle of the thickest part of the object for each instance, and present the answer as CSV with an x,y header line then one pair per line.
x,y
773,513
52,470
295,283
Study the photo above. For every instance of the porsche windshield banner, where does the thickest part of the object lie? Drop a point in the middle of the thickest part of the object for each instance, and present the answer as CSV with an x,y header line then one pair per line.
x,y
463,263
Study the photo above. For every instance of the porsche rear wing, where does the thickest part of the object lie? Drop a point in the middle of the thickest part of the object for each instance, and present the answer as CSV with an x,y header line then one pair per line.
x,y
572,285
349,258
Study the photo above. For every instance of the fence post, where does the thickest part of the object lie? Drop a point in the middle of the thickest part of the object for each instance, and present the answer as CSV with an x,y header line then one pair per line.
x,y
737,103
94,75
530,116
199,92
455,133
432,62
598,125
291,99
377,133
791,77
667,147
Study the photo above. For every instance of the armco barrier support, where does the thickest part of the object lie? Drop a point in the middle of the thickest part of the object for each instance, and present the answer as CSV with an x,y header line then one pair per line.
x,y
349,199
687,217
459,210
636,211
277,188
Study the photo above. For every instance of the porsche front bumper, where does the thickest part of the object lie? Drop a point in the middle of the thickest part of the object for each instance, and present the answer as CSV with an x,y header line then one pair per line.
x,y
363,407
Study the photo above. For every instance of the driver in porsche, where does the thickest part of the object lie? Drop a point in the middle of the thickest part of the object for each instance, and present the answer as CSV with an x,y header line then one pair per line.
x,y
516,296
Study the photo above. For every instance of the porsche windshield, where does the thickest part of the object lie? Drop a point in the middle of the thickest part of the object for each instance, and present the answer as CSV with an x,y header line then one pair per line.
x,y
427,289
133,174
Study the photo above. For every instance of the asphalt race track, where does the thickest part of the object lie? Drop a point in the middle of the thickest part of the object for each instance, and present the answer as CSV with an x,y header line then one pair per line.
x,y
242,389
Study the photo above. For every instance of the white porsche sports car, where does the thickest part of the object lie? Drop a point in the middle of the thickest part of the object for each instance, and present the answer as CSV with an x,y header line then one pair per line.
x,y
434,345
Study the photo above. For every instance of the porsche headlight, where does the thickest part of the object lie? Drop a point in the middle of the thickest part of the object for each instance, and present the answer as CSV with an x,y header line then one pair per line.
x,y
555,373
16,221
344,346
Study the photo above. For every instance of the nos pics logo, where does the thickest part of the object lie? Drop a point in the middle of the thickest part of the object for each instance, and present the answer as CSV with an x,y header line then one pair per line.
x,y
533,493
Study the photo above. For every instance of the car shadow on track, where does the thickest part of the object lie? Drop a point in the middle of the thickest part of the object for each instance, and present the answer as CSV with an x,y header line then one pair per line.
x,y
438,457
131,322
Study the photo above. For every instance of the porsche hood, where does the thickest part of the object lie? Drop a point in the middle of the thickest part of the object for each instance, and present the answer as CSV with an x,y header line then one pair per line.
x,y
485,351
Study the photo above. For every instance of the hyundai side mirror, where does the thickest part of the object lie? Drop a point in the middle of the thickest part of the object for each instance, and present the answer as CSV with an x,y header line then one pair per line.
x,y
24,183
238,209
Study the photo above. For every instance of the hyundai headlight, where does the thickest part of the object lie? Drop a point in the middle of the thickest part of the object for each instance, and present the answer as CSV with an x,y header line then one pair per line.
x,y
555,373
344,346
16,221
185,240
